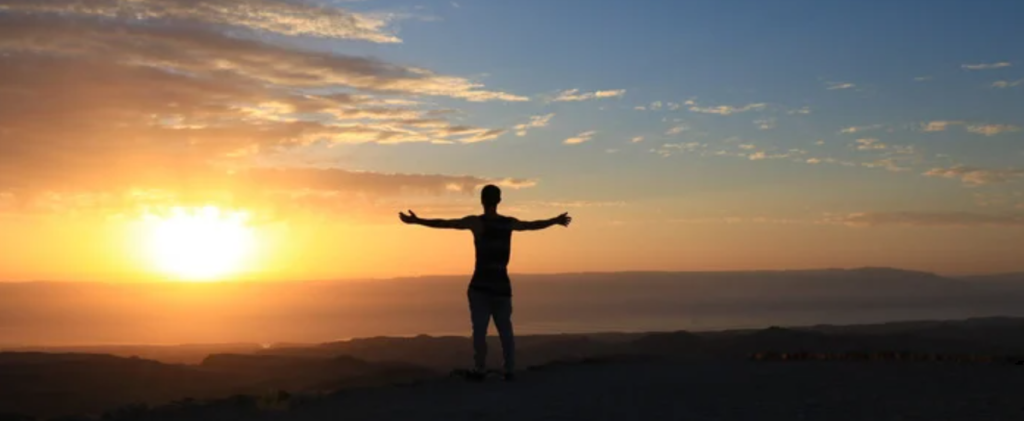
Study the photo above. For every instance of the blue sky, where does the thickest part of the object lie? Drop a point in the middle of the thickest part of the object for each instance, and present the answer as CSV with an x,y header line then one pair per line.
x,y
906,60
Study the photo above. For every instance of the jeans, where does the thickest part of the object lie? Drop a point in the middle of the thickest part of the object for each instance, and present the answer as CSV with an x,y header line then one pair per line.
x,y
482,307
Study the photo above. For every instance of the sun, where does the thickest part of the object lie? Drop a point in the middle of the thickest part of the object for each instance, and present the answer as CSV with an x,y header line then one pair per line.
x,y
200,244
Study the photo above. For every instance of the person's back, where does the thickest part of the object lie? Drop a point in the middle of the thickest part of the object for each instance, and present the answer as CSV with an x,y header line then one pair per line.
x,y
490,289
493,243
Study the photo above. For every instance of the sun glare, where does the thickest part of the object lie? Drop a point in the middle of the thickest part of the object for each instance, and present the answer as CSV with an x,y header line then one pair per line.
x,y
200,244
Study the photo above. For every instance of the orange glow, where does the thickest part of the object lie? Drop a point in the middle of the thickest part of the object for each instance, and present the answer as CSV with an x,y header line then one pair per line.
x,y
200,244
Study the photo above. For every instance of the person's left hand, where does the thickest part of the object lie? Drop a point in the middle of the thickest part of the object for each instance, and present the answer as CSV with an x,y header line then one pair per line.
x,y
408,219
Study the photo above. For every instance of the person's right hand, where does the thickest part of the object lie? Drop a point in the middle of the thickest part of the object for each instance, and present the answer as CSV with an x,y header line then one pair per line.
x,y
408,219
563,219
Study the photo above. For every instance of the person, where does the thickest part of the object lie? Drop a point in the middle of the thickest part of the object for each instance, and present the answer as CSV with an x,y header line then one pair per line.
x,y
490,289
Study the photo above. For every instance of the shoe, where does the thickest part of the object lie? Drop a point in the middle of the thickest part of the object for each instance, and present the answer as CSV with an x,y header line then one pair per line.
x,y
476,375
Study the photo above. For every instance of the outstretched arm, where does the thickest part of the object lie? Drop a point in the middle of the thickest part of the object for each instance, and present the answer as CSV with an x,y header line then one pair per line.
x,y
563,220
411,218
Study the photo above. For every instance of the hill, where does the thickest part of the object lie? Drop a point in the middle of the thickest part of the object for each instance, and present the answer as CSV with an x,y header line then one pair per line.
x,y
50,385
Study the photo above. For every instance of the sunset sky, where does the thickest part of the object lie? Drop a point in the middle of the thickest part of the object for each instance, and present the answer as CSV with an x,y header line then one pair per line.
x,y
278,140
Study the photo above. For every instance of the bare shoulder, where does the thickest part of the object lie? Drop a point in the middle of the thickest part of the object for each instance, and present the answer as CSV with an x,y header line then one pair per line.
x,y
471,221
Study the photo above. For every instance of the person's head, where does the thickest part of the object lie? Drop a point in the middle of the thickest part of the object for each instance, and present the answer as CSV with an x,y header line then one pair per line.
x,y
490,196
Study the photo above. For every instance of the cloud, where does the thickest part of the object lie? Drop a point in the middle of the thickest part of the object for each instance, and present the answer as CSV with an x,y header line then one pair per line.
x,y
802,110
859,129
992,129
580,138
889,164
977,176
727,109
747,146
292,18
816,161
655,106
819,142
761,155
106,106
536,121
1004,84
986,66
867,144
983,129
765,123
669,149
514,183
637,139
576,95
833,86
938,126
677,130
209,54
904,149
930,219
577,204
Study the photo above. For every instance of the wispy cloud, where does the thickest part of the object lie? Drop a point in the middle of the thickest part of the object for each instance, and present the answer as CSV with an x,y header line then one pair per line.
x,y
670,149
747,146
1004,84
829,160
939,126
575,95
677,130
802,110
637,139
986,66
274,16
890,164
513,183
765,123
155,95
868,144
977,176
580,138
860,129
762,155
834,86
992,129
930,219
536,121
727,109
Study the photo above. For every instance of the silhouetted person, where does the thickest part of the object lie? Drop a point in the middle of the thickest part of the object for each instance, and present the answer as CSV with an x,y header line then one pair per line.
x,y
490,292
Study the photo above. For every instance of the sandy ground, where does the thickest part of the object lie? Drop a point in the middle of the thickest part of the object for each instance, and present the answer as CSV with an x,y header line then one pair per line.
x,y
691,391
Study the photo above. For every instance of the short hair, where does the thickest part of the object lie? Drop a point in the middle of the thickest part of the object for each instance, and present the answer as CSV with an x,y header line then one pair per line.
x,y
490,195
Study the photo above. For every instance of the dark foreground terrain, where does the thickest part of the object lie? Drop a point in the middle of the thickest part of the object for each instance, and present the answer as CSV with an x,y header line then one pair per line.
x,y
908,369
666,390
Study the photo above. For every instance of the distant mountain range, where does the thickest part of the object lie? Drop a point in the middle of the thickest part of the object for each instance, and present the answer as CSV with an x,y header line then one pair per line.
x,y
49,314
